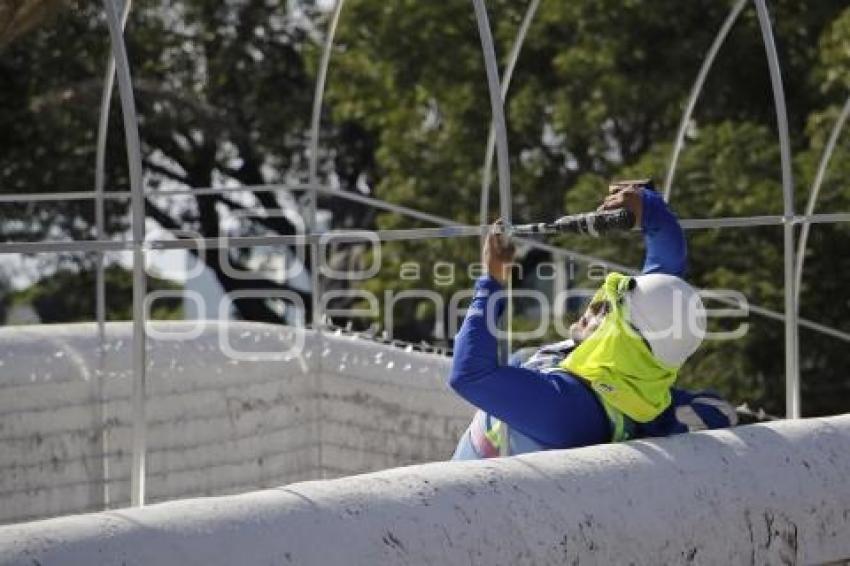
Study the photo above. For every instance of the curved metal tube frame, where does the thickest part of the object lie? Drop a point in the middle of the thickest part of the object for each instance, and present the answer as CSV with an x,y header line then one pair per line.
x,y
319,95
503,162
118,66
696,91
828,150
100,173
315,123
498,109
313,180
100,230
137,210
486,171
119,62
792,377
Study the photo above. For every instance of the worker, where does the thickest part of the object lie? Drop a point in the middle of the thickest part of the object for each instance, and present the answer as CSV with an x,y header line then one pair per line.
x,y
612,379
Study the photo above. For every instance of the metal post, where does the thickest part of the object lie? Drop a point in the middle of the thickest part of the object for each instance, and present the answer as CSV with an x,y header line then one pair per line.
x,y
313,181
813,197
792,377
100,173
503,157
100,231
497,107
696,90
315,123
522,32
137,209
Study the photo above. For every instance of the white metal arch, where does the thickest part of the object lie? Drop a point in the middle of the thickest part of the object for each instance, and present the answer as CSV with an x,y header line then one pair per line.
x,y
137,209
503,162
828,150
313,181
486,171
313,178
100,173
696,91
792,385
499,125
792,377
498,109
100,227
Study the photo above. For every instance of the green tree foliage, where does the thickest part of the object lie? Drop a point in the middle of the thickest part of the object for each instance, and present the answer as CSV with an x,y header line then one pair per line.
x,y
597,94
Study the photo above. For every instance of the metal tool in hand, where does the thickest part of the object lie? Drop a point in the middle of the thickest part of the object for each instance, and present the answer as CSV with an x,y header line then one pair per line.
x,y
590,223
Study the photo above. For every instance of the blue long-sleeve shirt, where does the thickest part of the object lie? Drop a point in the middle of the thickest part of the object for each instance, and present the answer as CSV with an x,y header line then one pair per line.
x,y
551,407
666,249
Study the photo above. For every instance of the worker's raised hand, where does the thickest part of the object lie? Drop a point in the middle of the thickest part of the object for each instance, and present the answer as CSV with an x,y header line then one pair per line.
x,y
625,195
498,253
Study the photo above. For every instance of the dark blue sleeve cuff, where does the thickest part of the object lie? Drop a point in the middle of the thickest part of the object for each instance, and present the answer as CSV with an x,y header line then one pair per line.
x,y
485,287
653,207
489,283
666,249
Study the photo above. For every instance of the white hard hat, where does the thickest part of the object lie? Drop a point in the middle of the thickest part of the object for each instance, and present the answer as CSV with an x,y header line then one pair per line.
x,y
669,314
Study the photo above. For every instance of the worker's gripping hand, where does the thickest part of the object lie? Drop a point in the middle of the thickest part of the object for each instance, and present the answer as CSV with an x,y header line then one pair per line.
x,y
498,253
625,195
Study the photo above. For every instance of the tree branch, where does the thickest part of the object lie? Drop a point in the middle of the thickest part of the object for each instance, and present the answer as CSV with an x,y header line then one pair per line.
x,y
249,308
165,172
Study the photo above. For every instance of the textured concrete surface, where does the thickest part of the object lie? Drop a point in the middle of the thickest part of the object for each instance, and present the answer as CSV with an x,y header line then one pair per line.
x,y
218,423
763,494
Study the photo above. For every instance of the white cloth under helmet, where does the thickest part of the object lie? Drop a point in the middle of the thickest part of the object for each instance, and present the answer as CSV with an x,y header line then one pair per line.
x,y
669,314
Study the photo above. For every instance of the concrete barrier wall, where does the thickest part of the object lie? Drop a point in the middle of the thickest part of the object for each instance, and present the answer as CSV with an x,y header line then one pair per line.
x,y
382,407
763,494
218,422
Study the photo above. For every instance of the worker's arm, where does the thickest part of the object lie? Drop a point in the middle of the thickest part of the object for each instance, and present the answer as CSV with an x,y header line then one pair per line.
x,y
666,250
552,408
